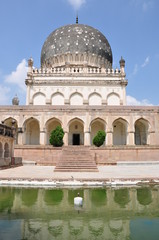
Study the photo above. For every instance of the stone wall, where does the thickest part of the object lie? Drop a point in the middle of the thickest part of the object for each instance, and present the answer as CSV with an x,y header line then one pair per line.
x,y
48,155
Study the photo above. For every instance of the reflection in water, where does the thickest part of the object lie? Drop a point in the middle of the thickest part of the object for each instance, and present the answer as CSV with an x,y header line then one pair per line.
x,y
72,193
53,196
121,196
55,228
6,199
98,197
144,196
29,196
106,214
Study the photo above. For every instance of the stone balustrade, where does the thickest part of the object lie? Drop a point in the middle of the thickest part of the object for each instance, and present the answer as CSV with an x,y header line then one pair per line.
x,y
75,70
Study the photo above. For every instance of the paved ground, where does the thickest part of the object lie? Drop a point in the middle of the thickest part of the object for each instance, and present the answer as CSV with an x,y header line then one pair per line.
x,y
106,173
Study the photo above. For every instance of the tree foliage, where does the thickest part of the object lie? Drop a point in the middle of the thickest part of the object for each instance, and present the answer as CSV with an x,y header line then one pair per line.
x,y
99,139
56,137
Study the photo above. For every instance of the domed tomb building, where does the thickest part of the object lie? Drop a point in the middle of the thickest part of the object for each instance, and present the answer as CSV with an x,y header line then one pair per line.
x,y
76,69
77,88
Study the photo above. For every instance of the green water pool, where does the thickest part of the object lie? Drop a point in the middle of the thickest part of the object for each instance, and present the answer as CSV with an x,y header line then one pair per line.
x,y
106,214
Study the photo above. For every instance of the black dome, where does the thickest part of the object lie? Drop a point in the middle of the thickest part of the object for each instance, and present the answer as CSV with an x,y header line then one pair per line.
x,y
76,39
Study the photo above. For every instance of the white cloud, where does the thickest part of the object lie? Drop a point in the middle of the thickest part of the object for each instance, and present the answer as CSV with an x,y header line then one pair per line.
x,y
147,5
18,76
131,101
4,96
76,4
135,69
146,62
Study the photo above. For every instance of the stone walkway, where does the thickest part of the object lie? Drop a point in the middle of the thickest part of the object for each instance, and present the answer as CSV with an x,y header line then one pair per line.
x,y
107,174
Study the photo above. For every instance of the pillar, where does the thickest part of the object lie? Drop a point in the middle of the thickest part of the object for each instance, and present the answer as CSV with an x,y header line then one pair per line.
x,y
20,136
87,138
131,138
42,137
65,139
109,138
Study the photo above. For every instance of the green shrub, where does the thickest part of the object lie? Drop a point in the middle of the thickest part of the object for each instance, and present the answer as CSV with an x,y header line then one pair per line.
x,y
56,137
99,139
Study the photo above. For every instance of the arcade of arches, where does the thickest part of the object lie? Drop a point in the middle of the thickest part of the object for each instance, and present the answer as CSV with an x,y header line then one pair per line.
x,y
78,132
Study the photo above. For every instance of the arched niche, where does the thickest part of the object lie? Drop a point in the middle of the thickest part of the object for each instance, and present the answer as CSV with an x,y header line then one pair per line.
x,y
113,99
50,126
6,150
12,122
120,132
31,132
76,99
95,126
39,99
57,99
76,132
141,131
95,99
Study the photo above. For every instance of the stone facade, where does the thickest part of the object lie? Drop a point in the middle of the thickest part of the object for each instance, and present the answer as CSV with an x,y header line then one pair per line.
x,y
77,88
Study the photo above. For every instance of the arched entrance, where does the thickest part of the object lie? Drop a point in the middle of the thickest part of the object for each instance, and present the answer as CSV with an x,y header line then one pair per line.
x,y
51,125
141,132
31,132
120,132
12,122
76,132
95,126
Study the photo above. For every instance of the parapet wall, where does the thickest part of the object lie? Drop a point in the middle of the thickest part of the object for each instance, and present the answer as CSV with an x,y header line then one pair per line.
x,y
48,155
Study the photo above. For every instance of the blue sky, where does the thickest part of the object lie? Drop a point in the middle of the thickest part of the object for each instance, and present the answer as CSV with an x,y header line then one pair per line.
x,y
131,27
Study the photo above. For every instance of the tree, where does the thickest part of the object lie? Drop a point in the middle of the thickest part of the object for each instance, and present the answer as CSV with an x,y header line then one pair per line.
x,y
56,137
99,139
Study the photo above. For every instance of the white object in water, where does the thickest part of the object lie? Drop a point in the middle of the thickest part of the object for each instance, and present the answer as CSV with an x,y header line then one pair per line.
x,y
78,201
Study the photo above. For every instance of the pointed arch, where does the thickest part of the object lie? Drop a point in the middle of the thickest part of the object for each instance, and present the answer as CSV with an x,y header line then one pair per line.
x,y
76,98
39,99
141,131
12,122
76,132
113,99
31,132
95,99
96,125
50,125
57,98
120,127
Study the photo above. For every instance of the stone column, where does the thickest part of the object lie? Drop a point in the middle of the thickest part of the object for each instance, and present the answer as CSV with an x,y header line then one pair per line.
x,y
65,139
109,138
20,136
131,138
42,137
87,138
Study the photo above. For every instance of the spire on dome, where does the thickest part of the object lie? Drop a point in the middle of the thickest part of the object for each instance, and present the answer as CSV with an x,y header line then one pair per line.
x,y
77,18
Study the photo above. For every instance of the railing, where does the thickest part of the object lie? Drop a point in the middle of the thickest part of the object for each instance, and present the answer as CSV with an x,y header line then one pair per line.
x,y
75,70
6,131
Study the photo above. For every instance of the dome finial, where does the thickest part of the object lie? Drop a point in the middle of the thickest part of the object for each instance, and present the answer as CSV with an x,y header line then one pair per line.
x,y
77,18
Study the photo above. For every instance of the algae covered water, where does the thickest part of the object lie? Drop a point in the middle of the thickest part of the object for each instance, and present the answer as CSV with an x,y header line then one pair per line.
x,y
107,214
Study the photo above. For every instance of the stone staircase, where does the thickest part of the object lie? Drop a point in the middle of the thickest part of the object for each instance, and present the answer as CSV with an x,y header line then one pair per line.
x,y
76,159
